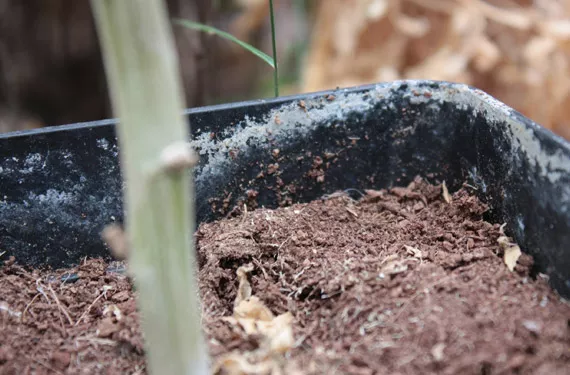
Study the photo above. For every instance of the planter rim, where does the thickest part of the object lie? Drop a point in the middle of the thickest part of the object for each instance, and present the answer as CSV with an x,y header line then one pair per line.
x,y
490,100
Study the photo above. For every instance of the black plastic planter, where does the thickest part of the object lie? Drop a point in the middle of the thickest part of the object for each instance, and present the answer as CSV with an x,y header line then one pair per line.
x,y
60,186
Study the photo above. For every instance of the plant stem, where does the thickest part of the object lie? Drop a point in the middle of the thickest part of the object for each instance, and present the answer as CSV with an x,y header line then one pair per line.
x,y
274,44
146,91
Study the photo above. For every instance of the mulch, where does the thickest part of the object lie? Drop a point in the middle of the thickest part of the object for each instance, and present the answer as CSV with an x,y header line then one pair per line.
x,y
397,282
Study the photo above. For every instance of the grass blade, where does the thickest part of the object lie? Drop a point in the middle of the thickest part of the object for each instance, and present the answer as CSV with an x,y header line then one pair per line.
x,y
212,30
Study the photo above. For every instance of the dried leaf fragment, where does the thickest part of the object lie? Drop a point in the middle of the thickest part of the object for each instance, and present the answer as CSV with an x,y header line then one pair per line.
x,y
512,251
106,328
445,192
244,288
117,241
417,253
511,257
533,326
437,352
254,318
352,212
394,267
377,9
487,55
412,27
280,332
515,18
114,311
5,307
558,29
236,364
253,308
374,193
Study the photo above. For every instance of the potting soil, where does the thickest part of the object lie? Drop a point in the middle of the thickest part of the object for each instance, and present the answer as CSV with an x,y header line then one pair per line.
x,y
405,281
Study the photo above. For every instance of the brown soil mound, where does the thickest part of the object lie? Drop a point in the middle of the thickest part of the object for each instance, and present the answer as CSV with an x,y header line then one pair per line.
x,y
399,282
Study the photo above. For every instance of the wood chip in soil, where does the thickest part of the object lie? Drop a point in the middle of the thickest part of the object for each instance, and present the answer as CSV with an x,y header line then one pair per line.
x,y
399,282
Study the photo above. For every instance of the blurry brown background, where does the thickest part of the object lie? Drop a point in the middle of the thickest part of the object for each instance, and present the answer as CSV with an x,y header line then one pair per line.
x,y
517,50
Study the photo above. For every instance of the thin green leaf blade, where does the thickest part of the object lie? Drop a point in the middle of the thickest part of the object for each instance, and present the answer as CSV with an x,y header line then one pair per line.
x,y
274,45
212,30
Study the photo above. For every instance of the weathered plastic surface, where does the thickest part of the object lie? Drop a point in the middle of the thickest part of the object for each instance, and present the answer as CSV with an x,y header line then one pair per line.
x,y
60,186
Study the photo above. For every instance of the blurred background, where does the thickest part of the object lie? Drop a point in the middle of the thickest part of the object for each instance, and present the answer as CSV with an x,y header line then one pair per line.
x,y
51,71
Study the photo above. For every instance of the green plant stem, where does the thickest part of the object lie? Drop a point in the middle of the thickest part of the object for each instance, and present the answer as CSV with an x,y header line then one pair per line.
x,y
146,92
274,45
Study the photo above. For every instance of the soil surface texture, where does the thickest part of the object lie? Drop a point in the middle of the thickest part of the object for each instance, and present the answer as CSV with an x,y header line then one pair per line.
x,y
404,281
